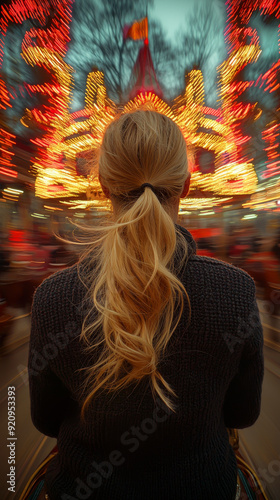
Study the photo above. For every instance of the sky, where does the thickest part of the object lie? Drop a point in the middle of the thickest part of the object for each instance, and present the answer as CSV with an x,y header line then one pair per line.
x,y
173,13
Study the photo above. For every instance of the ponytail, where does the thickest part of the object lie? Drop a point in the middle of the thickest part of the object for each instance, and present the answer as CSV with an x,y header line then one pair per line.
x,y
136,299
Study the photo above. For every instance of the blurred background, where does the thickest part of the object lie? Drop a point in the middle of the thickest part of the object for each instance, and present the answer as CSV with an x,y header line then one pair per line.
x,y
66,69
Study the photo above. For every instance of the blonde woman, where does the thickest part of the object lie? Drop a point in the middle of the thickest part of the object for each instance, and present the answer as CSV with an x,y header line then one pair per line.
x,y
143,353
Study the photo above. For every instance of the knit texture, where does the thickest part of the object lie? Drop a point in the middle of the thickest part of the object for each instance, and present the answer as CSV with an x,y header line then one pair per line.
x,y
132,447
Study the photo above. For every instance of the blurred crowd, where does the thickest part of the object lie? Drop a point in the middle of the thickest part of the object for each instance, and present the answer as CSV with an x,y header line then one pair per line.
x,y
258,255
24,263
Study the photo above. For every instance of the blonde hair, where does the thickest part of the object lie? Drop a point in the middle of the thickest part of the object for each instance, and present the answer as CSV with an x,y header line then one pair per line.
x,y
136,300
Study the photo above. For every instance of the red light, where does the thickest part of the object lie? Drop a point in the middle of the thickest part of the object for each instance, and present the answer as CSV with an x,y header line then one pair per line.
x,y
8,172
16,236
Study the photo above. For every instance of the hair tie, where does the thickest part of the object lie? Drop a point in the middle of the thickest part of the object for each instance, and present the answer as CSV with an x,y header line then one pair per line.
x,y
146,184
135,193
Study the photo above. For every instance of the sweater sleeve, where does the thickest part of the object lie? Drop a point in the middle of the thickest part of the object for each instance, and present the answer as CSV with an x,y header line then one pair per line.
x,y
50,400
243,398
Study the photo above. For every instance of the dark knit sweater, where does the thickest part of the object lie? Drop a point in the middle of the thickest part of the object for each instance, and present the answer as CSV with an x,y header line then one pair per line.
x,y
132,447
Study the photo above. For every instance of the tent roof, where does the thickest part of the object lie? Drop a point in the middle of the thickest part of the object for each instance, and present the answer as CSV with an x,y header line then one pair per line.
x,y
143,76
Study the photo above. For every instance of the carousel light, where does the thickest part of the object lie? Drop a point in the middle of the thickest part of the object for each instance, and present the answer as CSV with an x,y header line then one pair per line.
x,y
7,140
268,195
249,216
207,212
237,34
13,191
190,203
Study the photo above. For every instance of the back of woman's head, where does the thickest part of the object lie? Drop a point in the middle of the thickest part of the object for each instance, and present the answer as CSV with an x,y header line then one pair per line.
x,y
135,295
143,146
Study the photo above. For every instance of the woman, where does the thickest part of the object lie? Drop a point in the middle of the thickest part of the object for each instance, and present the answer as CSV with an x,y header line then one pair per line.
x,y
143,354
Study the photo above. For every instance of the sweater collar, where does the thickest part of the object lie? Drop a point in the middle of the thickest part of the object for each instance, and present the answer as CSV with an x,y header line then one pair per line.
x,y
189,238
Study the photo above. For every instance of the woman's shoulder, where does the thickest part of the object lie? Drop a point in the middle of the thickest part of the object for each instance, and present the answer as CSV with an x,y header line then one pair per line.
x,y
220,265
57,284
65,274
223,273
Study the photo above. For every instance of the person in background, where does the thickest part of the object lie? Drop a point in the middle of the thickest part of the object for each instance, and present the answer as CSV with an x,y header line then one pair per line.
x,y
149,351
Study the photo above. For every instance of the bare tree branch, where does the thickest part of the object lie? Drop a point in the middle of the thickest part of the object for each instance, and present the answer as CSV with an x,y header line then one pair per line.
x,y
199,41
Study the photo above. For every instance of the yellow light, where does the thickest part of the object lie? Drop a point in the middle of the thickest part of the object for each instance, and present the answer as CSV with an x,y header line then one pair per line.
x,y
268,195
234,176
13,191
190,203
249,216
